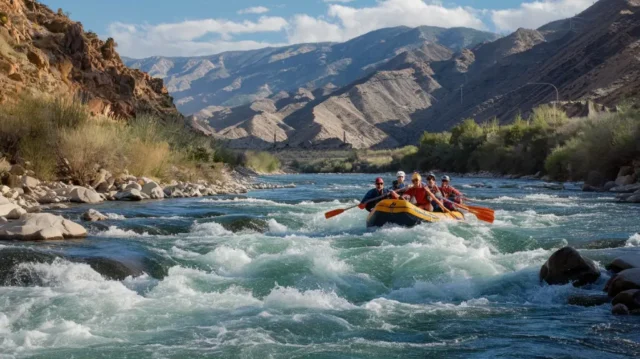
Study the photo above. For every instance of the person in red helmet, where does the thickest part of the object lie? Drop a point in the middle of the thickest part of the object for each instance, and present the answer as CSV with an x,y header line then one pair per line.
x,y
378,191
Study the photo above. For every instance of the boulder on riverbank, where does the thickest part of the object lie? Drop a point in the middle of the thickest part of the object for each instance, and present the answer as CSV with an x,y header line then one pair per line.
x,y
41,226
566,265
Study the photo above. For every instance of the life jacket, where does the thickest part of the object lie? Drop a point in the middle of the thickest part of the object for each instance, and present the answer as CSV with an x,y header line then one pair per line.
x,y
450,192
417,196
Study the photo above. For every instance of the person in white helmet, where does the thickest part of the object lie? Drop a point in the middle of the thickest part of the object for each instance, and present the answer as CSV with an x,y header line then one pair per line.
x,y
399,182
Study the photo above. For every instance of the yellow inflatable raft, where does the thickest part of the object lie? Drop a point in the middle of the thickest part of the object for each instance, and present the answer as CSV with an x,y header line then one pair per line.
x,y
406,214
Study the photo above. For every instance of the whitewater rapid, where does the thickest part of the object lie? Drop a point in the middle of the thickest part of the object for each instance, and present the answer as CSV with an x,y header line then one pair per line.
x,y
268,276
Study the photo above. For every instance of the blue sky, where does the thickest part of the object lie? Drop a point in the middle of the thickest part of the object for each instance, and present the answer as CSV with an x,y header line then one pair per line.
x,y
199,27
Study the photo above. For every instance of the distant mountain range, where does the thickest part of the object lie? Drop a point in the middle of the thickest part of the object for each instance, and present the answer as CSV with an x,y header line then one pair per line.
x,y
383,89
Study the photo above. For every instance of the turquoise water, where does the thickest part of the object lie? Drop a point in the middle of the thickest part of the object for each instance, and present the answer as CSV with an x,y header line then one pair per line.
x,y
266,276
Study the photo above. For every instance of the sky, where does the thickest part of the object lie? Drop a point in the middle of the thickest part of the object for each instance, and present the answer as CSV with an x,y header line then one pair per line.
x,y
144,28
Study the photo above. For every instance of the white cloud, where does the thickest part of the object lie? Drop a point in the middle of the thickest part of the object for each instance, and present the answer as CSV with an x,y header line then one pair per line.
x,y
532,15
254,10
342,1
184,38
346,22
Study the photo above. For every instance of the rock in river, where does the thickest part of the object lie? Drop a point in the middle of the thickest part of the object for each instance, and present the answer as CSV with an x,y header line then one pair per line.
x,y
41,226
93,216
625,280
567,265
623,262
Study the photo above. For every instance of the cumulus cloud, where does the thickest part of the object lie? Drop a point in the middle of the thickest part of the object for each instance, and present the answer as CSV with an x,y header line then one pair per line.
x,y
185,38
346,22
532,15
254,10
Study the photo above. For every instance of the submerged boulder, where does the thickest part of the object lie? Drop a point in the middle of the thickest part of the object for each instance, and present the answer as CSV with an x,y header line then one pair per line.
x,y
623,262
630,298
567,265
625,280
41,226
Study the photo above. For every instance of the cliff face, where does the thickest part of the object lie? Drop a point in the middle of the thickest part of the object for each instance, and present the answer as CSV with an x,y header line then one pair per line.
x,y
42,51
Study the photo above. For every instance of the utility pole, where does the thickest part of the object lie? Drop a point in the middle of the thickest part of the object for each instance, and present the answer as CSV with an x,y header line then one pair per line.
x,y
555,105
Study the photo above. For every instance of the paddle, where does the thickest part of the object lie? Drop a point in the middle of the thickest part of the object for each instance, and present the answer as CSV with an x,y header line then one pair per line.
x,y
483,213
433,197
339,211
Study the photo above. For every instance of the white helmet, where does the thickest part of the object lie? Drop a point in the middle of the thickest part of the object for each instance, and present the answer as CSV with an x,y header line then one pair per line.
x,y
446,178
400,174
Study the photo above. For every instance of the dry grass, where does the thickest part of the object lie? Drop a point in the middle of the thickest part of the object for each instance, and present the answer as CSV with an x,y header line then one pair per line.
x,y
46,131
90,145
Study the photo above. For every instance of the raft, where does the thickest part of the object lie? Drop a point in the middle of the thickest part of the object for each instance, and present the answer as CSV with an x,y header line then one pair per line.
x,y
404,213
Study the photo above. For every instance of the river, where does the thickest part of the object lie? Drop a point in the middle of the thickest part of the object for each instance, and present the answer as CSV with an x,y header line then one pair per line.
x,y
266,276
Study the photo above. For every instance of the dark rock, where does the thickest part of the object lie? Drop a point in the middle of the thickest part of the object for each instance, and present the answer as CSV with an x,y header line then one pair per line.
x,y
111,268
623,262
588,300
625,280
567,265
620,309
590,188
12,274
595,179
609,185
630,298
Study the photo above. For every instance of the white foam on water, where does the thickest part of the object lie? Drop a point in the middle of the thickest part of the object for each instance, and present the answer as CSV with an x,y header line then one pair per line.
x,y
210,229
249,201
115,216
228,260
275,227
288,298
634,240
114,231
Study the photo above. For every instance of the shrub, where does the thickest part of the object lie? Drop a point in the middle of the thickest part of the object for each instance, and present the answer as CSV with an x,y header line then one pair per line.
x,y
261,162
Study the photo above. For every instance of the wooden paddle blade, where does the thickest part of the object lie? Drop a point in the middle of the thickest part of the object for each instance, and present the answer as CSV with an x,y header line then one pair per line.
x,y
333,213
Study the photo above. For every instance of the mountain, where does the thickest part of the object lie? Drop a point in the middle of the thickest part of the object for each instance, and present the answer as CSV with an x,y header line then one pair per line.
x,y
597,60
241,77
385,93
45,52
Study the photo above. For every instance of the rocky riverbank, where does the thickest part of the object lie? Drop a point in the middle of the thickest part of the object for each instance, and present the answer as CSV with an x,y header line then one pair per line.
x,y
622,290
23,198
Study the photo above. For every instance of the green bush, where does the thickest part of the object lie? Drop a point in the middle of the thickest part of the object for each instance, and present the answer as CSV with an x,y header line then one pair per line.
x,y
547,142
261,162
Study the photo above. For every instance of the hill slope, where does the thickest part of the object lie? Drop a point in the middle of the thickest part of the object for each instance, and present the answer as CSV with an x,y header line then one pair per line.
x,y
238,78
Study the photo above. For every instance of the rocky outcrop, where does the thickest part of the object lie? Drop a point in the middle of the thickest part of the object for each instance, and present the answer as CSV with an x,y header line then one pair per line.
x,y
566,265
47,52
40,226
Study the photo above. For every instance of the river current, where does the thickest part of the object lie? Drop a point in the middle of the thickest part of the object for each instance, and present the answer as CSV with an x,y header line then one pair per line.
x,y
266,276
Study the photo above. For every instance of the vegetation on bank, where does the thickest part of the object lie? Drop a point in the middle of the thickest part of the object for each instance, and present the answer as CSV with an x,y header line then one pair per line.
x,y
354,161
548,142
60,139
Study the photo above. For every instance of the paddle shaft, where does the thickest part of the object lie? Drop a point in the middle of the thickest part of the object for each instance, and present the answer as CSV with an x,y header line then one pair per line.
x,y
433,197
